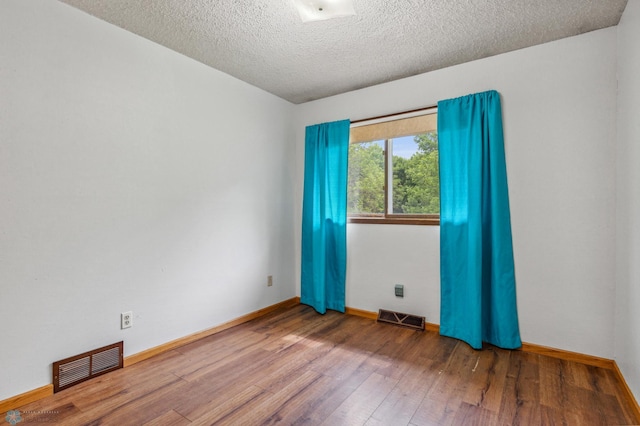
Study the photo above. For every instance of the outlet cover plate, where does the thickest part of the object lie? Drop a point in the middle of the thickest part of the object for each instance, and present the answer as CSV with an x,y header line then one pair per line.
x,y
126,320
399,290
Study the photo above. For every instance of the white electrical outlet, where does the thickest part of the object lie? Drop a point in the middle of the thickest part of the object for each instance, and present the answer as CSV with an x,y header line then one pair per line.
x,y
126,319
269,280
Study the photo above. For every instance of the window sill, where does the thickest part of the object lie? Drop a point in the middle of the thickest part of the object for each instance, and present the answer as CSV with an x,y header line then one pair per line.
x,y
431,221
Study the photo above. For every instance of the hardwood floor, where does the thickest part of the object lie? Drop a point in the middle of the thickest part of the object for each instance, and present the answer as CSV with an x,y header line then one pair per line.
x,y
296,367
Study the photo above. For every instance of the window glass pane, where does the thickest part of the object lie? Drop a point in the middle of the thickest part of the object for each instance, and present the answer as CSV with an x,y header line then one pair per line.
x,y
366,178
416,188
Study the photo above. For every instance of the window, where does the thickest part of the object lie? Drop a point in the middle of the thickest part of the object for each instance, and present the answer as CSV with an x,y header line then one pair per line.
x,y
393,171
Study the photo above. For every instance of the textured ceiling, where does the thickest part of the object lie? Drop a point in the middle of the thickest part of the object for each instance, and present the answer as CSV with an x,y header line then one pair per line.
x,y
264,42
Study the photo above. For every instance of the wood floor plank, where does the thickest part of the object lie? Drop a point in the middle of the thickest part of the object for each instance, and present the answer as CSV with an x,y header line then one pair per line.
x,y
116,393
347,349
282,319
401,352
170,418
553,383
193,366
259,410
328,394
602,380
521,394
287,399
468,414
445,396
290,364
296,367
231,365
217,410
208,394
136,410
331,393
438,349
361,404
296,334
580,375
61,413
487,380
405,398
216,382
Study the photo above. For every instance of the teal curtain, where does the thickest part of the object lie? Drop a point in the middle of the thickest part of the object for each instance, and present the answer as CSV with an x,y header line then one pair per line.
x,y
324,216
478,294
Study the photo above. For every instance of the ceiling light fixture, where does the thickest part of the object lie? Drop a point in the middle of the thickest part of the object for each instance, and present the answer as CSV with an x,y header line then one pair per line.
x,y
319,10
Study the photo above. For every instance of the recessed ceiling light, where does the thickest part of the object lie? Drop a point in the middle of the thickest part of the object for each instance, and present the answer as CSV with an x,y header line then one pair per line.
x,y
319,10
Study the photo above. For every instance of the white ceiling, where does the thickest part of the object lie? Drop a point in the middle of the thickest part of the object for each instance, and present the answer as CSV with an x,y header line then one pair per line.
x,y
265,43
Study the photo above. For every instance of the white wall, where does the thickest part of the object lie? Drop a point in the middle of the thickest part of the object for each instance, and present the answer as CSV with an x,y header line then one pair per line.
x,y
131,178
559,102
628,199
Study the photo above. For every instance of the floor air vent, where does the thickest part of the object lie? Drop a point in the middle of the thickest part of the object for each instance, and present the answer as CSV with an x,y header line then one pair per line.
x,y
405,320
76,369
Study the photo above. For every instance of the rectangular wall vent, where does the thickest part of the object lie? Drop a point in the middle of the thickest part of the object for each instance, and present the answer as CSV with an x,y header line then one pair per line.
x,y
78,368
405,320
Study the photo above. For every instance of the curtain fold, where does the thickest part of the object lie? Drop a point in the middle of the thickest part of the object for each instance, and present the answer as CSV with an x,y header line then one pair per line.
x,y
478,295
324,216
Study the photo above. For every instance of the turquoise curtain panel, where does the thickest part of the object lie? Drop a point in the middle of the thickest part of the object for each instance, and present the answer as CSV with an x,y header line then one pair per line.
x,y
478,293
324,216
